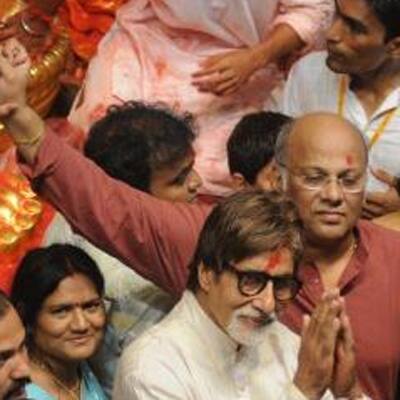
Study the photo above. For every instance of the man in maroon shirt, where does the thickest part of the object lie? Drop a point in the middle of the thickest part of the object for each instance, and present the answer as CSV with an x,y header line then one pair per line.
x,y
157,238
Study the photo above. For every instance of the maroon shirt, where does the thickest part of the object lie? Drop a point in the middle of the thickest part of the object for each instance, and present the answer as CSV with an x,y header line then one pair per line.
x,y
154,237
371,288
157,239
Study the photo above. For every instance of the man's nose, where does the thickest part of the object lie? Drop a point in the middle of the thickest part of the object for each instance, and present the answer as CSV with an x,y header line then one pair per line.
x,y
21,368
333,34
265,301
332,191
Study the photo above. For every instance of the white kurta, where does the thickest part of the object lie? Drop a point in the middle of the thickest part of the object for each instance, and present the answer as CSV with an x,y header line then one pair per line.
x,y
312,86
187,357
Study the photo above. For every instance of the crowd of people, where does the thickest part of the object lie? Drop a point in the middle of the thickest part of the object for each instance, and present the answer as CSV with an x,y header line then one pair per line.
x,y
229,229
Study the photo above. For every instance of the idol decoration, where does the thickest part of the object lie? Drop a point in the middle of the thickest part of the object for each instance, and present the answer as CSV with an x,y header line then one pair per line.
x,y
60,38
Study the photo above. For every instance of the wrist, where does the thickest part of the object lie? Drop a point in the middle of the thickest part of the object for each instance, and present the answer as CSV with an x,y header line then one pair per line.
x,y
309,390
25,127
260,56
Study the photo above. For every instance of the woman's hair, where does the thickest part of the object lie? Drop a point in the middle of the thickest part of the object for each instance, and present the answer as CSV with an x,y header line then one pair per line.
x,y
41,271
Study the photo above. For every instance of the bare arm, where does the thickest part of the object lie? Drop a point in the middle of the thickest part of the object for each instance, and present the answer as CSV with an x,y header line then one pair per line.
x,y
223,74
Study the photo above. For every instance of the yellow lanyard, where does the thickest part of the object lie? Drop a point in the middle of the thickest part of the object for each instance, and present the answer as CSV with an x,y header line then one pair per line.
x,y
382,126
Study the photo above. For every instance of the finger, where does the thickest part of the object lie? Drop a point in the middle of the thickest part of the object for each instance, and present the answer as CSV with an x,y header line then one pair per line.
x,y
306,324
367,215
7,109
373,210
377,198
223,88
383,176
210,61
214,80
348,339
212,69
6,68
321,312
8,32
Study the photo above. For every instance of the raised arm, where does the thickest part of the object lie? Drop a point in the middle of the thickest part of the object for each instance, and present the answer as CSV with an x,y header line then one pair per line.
x,y
156,238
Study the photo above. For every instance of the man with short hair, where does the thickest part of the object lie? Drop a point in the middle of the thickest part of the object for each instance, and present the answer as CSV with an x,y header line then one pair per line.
x,y
358,77
222,340
147,147
14,367
157,238
251,149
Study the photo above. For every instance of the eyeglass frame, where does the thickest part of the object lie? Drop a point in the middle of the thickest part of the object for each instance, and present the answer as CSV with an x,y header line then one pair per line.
x,y
267,278
328,179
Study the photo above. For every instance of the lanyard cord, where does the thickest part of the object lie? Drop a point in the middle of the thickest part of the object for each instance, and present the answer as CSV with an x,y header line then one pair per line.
x,y
382,126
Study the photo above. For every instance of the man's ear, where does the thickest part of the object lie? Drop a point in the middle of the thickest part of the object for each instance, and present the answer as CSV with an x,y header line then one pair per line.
x,y
238,182
394,47
205,277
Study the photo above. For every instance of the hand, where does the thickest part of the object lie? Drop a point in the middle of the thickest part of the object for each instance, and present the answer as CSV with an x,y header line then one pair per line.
x,y
380,203
14,67
344,381
317,350
223,74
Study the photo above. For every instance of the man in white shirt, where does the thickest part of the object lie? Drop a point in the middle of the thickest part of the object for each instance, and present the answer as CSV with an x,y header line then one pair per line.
x,y
359,78
222,341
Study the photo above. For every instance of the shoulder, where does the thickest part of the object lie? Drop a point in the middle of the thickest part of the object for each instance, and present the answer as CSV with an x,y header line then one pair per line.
x,y
376,234
314,61
153,366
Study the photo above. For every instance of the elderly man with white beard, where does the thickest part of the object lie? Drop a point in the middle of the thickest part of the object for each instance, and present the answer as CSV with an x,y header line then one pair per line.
x,y
222,340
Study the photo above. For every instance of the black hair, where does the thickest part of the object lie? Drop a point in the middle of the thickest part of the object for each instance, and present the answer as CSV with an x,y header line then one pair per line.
x,y
41,271
252,143
388,13
4,304
134,139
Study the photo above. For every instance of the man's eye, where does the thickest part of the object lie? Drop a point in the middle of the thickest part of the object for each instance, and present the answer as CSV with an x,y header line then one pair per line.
x,y
252,280
349,181
314,179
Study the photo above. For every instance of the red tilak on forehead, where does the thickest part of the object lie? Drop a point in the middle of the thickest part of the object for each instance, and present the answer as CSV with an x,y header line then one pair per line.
x,y
349,160
273,260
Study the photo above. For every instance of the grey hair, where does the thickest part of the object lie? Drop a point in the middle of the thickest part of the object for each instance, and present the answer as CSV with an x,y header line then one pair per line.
x,y
281,150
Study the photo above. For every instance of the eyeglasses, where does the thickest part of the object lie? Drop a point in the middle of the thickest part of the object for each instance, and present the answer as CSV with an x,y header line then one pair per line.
x,y
251,283
318,180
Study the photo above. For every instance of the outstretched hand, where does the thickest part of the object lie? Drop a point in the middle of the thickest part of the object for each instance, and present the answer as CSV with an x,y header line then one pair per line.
x,y
14,67
223,74
380,203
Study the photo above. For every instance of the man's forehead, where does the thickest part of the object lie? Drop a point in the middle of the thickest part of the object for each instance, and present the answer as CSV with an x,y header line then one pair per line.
x,y
325,140
12,332
274,262
358,10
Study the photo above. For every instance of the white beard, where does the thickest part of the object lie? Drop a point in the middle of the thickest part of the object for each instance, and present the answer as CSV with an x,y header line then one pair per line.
x,y
244,334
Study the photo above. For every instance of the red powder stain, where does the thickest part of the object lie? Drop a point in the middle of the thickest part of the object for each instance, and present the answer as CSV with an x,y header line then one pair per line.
x,y
349,160
160,67
273,261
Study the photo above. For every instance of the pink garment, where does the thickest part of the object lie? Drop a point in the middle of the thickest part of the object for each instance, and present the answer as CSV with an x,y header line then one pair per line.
x,y
155,46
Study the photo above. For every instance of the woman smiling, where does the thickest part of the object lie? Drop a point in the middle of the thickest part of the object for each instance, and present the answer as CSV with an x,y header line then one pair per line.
x,y
58,291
